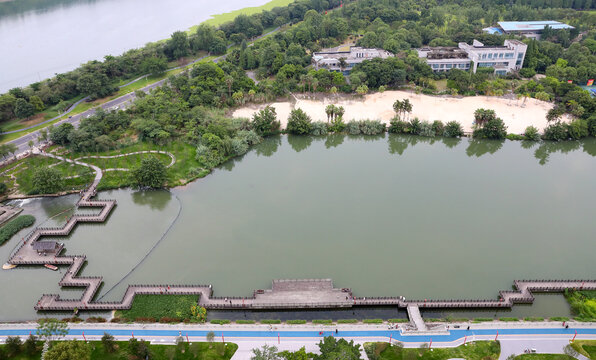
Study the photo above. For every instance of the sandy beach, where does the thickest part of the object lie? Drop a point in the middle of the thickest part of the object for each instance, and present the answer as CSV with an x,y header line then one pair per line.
x,y
517,114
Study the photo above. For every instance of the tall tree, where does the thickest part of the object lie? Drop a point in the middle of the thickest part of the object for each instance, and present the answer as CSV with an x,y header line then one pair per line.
x,y
23,109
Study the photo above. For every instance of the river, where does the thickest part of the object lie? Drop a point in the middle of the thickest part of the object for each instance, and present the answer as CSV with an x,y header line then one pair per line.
x,y
385,216
41,38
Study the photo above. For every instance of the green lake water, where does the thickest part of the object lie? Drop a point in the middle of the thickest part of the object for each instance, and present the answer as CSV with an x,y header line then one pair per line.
x,y
385,216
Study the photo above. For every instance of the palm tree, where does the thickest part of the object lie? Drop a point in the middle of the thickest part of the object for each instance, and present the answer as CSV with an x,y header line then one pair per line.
x,y
330,111
407,107
398,107
229,82
339,112
342,63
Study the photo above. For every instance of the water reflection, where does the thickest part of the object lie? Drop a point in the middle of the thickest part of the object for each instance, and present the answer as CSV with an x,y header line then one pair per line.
x,y
299,143
269,146
156,199
334,140
450,142
479,147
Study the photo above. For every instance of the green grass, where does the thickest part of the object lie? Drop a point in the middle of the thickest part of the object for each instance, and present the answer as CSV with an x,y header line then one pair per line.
x,y
270,321
296,322
480,350
24,173
533,319
219,19
160,306
398,320
220,321
245,321
508,319
372,321
483,319
585,347
583,304
126,162
544,357
22,356
196,350
14,226
323,321
347,321
559,318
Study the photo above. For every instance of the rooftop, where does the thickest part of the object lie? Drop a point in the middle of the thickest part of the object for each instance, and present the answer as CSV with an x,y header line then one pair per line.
x,y
532,25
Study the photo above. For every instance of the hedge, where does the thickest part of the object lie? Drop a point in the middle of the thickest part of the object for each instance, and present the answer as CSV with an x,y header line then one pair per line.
x,y
220,321
372,321
324,322
296,322
270,321
14,226
245,321
347,321
398,320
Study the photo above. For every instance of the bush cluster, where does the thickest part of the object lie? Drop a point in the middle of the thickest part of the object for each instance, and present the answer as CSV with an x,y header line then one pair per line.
x,y
14,226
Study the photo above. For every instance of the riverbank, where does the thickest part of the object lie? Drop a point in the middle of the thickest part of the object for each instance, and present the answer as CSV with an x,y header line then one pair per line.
x,y
516,113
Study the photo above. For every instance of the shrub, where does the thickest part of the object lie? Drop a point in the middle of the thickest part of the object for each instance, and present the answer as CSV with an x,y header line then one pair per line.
x,y
299,123
527,72
3,188
592,125
397,126
426,129
372,321
372,127
508,319
270,321
577,129
453,129
559,318
265,121
483,319
532,134
14,226
296,322
220,321
398,320
533,319
438,127
543,96
151,173
249,136
353,127
239,146
515,137
492,129
47,180
116,320
318,128
13,345
337,125
322,321
415,126
245,321
556,132
347,321
143,319
96,319
167,320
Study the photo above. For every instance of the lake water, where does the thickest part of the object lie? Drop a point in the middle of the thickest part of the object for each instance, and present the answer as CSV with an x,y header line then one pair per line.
x,y
41,38
385,216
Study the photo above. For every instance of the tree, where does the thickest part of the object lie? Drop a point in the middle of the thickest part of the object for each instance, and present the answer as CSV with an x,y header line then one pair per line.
x,y
13,345
177,46
331,349
453,129
493,129
8,148
23,109
48,328
150,174
265,121
154,65
59,135
30,143
108,342
43,135
36,102
482,116
69,350
265,353
139,349
210,337
30,345
48,181
362,90
330,111
299,122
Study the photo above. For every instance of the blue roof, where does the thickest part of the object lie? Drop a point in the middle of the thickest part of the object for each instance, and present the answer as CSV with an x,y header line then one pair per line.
x,y
532,25
493,30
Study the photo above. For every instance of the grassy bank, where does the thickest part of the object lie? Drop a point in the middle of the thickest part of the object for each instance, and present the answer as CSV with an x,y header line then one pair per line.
x,y
583,304
585,347
152,308
196,350
480,350
14,226
219,19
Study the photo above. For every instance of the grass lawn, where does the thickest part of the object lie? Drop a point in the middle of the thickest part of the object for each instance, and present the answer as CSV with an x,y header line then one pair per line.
x,y
126,162
480,350
24,173
160,306
219,19
583,304
198,350
544,357
585,347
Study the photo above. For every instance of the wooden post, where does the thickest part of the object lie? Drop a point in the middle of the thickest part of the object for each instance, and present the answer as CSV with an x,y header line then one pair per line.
x,y
496,337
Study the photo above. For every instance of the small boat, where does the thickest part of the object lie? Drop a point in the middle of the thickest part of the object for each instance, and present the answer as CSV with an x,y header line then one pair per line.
x,y
51,267
8,266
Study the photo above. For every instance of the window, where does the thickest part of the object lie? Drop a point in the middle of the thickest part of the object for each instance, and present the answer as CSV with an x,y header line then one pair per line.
x,y
435,66
520,55
500,55
448,66
501,72
509,56
490,56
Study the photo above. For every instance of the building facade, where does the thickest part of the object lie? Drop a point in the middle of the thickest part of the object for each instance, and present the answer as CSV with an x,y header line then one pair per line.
x,y
504,59
344,58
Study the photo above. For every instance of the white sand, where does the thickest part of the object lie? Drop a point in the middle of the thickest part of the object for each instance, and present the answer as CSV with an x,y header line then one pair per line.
x,y
517,114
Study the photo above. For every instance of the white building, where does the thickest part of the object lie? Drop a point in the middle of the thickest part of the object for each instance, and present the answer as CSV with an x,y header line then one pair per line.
x,y
330,58
504,59
530,29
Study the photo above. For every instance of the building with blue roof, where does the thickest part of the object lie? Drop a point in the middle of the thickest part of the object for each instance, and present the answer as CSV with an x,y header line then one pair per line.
x,y
530,29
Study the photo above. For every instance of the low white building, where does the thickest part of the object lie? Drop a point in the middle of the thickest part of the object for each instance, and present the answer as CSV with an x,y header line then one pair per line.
x,y
529,29
330,58
504,59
